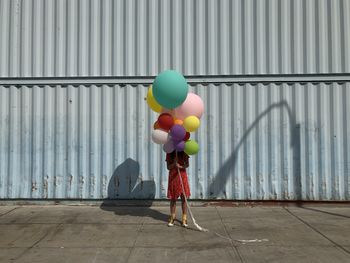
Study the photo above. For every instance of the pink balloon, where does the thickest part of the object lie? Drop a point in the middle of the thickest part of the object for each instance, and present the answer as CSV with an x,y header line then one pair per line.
x,y
193,105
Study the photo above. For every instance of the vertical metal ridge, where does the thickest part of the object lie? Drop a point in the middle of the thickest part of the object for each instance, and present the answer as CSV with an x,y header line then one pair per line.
x,y
340,142
94,125
5,39
318,143
60,38
261,38
310,36
346,108
212,37
286,30
335,36
4,141
272,36
26,41
237,35
331,180
25,128
244,183
14,38
247,37
297,36
141,39
346,34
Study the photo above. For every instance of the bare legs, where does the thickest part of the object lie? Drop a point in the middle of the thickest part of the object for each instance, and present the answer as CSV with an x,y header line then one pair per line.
x,y
173,206
183,205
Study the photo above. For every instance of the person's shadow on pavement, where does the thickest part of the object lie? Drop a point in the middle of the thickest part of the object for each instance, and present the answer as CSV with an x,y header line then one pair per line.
x,y
125,184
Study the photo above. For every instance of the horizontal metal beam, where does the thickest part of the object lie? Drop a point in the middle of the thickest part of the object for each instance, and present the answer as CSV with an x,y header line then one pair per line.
x,y
218,79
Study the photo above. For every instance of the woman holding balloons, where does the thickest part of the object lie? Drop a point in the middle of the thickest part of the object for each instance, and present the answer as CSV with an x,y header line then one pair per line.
x,y
177,162
180,114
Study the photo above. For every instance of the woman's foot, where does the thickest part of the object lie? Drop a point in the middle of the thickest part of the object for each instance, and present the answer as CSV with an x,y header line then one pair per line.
x,y
184,221
171,221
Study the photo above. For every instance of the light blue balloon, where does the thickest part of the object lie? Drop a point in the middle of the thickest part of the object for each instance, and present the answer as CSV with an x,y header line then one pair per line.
x,y
170,89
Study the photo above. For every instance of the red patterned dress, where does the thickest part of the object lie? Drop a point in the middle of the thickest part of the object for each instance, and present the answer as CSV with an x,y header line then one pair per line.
x,y
174,183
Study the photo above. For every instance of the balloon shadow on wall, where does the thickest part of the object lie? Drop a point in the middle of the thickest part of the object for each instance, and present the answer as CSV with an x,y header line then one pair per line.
x,y
217,186
126,184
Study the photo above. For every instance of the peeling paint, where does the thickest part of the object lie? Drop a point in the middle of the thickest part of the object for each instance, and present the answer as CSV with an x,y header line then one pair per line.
x,y
45,186
104,184
34,186
70,179
57,180
81,186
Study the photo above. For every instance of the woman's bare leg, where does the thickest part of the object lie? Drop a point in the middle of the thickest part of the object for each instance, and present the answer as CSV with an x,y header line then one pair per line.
x,y
184,206
184,211
172,212
173,207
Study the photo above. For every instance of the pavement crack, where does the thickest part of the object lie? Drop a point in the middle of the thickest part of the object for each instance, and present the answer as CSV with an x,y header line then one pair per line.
x,y
33,245
234,247
8,211
317,231
324,212
134,244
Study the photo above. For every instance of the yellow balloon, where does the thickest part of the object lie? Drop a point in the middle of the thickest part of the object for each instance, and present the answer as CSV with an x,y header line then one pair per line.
x,y
151,101
191,123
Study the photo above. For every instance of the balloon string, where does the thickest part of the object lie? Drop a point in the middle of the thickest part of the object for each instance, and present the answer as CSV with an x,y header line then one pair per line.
x,y
188,207
202,228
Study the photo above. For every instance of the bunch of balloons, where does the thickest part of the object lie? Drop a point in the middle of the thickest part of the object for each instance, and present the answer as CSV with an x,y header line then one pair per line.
x,y
180,112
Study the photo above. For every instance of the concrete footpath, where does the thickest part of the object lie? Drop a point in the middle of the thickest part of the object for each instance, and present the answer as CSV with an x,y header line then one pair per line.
x,y
58,233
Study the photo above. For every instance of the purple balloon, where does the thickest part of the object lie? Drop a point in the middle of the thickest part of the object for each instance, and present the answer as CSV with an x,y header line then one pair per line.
x,y
180,147
168,146
177,133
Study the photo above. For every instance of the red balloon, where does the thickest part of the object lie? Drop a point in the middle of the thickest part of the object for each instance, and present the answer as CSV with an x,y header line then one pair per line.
x,y
165,121
187,136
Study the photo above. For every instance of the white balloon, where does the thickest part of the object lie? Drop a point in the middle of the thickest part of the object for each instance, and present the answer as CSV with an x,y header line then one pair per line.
x,y
159,136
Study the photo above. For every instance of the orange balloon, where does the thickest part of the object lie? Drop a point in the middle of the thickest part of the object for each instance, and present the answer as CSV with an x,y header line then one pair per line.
x,y
179,122
156,125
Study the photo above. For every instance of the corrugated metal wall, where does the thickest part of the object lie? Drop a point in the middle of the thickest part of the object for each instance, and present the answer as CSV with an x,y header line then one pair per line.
x,y
258,141
48,38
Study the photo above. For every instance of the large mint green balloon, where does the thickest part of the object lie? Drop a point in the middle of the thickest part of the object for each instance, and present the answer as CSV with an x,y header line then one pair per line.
x,y
191,147
170,89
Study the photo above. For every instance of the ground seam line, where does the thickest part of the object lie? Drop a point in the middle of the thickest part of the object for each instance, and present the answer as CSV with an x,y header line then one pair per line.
x,y
317,231
32,246
137,236
227,234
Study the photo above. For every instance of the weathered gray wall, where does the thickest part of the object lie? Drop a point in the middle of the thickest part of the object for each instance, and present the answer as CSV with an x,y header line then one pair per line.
x,y
258,141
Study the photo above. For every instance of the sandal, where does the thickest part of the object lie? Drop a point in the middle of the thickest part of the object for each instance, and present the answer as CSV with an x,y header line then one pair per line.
x,y
184,221
171,221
